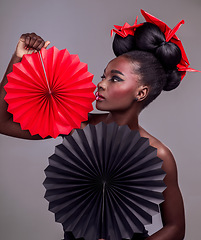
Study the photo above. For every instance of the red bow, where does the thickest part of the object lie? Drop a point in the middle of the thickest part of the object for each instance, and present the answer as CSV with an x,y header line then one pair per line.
x,y
126,29
169,33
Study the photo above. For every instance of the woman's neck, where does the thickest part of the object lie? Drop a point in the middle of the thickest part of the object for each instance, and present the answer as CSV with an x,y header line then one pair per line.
x,y
124,118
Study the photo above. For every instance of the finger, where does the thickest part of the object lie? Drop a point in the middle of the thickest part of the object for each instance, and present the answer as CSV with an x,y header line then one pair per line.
x,y
23,37
43,44
30,51
27,40
39,43
32,41
47,43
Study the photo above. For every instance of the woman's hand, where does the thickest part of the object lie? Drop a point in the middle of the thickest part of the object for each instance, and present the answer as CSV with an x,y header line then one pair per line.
x,y
29,43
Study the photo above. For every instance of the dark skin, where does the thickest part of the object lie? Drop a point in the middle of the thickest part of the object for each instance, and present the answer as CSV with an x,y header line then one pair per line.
x,y
28,43
121,93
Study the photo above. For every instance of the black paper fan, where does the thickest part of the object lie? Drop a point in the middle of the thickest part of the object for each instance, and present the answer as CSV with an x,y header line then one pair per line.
x,y
136,236
104,181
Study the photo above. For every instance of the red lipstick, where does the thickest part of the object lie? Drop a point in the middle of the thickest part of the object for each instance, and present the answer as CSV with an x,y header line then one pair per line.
x,y
99,96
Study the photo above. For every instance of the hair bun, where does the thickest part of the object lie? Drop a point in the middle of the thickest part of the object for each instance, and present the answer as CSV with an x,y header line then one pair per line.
x,y
173,80
149,37
122,45
168,54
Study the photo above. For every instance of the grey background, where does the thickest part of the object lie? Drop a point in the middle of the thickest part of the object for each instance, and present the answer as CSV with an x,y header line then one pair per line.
x,y
83,27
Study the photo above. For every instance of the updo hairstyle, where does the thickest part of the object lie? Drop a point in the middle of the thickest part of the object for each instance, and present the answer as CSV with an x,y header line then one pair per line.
x,y
156,59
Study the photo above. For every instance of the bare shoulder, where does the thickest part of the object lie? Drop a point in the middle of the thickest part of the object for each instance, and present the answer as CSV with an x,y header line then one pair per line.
x,y
163,152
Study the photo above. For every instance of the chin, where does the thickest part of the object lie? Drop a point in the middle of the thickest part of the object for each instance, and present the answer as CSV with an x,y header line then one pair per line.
x,y
101,109
98,106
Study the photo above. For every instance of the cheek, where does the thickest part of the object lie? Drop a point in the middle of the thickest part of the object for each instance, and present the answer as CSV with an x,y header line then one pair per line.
x,y
119,92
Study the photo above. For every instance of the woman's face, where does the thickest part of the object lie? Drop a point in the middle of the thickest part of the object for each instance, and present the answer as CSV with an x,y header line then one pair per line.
x,y
119,86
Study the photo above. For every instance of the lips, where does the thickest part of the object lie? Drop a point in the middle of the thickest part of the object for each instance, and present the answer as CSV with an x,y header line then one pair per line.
x,y
99,97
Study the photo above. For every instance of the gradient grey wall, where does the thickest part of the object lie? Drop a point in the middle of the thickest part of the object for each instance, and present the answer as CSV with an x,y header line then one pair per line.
x,y
83,27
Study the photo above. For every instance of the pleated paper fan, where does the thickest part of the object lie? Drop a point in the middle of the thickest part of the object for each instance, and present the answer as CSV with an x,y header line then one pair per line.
x,y
50,92
104,181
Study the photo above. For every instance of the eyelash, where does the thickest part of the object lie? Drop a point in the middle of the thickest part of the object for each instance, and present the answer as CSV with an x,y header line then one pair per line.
x,y
113,78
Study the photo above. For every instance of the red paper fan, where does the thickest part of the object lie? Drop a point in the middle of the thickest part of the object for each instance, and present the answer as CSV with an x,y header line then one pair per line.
x,y
50,92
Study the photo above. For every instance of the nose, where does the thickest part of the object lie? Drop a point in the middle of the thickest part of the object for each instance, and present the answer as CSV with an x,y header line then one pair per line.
x,y
102,85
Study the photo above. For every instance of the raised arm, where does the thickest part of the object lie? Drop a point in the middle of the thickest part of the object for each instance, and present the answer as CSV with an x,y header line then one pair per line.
x,y
172,209
27,44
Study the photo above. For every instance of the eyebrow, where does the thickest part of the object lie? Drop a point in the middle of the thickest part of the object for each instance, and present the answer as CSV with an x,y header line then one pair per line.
x,y
115,71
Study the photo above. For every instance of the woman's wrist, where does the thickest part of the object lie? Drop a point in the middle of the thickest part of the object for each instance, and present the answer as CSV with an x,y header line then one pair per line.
x,y
16,58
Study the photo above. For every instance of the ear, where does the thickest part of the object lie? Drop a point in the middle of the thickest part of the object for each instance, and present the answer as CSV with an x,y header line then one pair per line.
x,y
142,93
